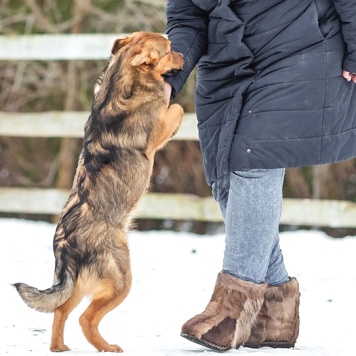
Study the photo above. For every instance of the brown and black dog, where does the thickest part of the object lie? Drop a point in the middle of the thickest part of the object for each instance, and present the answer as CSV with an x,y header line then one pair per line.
x,y
129,122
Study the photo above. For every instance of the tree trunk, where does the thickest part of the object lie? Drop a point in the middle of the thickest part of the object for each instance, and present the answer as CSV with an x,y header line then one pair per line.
x,y
297,184
322,182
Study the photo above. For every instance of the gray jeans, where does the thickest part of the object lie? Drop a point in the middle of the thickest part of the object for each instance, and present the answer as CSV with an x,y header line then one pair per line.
x,y
251,204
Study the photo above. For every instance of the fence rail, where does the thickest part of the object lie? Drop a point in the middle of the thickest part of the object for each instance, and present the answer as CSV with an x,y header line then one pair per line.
x,y
167,206
57,47
69,124
326,213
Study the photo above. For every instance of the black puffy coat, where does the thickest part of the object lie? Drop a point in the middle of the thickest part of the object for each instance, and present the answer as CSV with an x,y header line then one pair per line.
x,y
270,91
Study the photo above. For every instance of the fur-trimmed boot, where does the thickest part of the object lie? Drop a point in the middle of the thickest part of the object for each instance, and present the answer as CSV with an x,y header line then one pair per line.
x,y
277,324
228,318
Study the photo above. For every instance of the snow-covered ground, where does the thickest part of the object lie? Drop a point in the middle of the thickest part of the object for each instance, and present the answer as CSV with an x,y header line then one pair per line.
x,y
174,275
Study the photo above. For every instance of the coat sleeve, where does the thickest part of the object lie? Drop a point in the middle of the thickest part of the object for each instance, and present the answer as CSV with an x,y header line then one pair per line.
x,y
347,12
187,30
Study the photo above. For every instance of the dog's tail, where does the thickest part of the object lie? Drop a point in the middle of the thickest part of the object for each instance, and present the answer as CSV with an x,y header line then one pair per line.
x,y
48,300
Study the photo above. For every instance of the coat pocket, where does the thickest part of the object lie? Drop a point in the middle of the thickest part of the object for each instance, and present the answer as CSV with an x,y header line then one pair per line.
x,y
317,9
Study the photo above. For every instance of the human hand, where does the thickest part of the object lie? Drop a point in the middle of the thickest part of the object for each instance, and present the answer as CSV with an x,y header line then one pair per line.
x,y
167,92
349,76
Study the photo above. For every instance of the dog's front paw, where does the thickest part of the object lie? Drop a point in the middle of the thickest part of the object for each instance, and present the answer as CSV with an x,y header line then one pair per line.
x,y
173,133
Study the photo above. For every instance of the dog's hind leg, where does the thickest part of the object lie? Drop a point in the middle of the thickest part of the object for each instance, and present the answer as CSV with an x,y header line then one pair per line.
x,y
60,316
108,298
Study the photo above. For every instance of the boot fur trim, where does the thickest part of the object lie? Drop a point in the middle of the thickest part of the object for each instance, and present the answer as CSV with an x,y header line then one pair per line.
x,y
227,320
277,324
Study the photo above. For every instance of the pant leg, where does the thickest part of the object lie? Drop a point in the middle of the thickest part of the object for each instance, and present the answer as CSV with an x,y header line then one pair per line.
x,y
251,203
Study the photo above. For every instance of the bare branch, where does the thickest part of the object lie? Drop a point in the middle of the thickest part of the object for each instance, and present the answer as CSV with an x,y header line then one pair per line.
x,y
41,20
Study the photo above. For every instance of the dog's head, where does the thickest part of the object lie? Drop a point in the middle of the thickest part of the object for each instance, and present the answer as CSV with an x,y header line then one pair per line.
x,y
138,63
149,51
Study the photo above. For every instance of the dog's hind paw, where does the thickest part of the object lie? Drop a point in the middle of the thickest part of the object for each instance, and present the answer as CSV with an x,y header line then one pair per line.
x,y
113,348
59,348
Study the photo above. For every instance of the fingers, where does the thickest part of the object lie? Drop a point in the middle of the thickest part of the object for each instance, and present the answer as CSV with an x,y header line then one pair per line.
x,y
349,76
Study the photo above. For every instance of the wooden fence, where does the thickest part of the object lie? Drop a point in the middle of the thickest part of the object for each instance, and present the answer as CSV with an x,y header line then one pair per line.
x,y
70,124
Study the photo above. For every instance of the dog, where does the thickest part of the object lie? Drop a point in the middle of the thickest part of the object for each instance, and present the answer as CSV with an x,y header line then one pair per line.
x,y
129,121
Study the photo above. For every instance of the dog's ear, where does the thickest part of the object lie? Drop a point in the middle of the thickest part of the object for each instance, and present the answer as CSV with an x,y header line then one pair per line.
x,y
121,42
145,56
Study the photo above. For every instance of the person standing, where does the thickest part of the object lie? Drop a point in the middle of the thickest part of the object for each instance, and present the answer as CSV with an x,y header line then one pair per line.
x,y
275,89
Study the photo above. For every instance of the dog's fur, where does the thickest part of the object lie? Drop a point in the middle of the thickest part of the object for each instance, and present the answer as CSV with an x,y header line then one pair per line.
x,y
129,122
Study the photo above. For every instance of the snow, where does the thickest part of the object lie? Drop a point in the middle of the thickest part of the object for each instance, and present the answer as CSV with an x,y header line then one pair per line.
x,y
173,278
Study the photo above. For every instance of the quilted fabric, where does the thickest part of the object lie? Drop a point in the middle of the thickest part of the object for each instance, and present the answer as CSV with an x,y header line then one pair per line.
x,y
270,91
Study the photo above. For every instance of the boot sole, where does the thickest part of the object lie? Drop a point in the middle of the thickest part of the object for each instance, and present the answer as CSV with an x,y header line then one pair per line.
x,y
205,343
272,344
